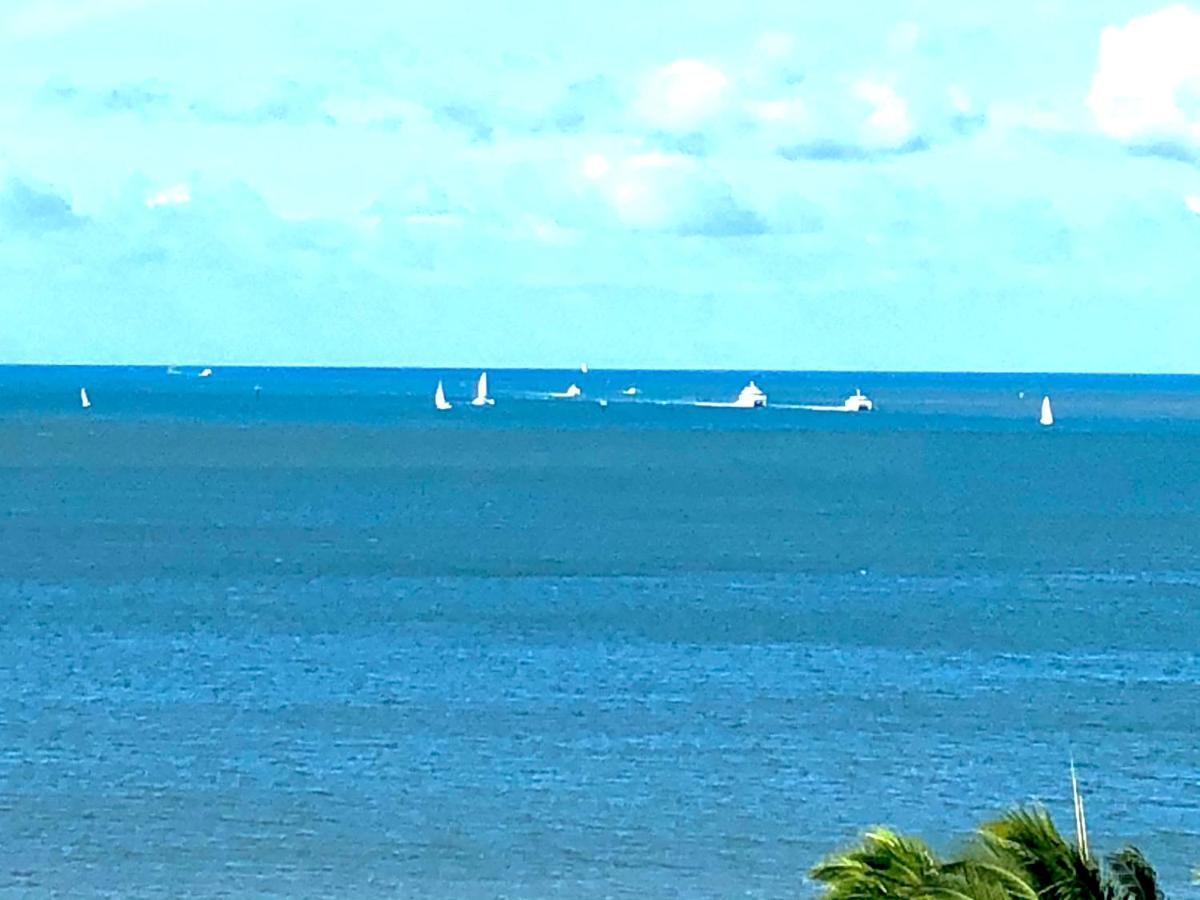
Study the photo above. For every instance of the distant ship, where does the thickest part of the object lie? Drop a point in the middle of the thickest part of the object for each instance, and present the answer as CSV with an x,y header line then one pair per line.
x,y
1047,416
439,398
481,392
83,399
858,402
570,393
750,397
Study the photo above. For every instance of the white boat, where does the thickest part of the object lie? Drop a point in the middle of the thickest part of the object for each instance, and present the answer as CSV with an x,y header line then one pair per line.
x,y
603,403
205,373
1047,416
83,398
569,394
630,391
750,397
481,392
439,398
583,369
858,402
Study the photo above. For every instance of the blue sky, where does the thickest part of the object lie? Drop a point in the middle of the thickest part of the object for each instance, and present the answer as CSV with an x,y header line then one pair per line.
x,y
928,185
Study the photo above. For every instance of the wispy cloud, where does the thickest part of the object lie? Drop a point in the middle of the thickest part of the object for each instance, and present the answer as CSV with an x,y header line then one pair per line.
x,y
1146,88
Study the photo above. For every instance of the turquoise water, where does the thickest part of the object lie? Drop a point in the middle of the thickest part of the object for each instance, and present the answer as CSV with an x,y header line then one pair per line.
x,y
321,641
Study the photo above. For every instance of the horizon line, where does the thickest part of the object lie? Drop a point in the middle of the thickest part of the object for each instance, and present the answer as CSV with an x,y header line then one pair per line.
x,y
598,369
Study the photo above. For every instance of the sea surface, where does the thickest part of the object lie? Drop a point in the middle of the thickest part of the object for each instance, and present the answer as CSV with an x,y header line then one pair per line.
x,y
292,633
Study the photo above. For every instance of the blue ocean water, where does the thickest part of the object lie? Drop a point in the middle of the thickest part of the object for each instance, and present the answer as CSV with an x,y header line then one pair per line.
x,y
319,640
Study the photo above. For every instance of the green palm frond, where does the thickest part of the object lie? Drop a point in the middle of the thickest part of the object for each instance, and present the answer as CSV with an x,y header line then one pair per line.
x,y
1132,876
890,866
885,864
1026,842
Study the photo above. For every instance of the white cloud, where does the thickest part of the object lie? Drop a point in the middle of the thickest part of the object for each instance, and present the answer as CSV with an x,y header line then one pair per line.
x,y
1192,202
674,193
683,94
175,195
959,99
49,17
1147,80
595,166
889,123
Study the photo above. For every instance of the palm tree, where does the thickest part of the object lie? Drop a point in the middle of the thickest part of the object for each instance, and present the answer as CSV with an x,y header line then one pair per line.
x,y
889,865
1026,842
1020,856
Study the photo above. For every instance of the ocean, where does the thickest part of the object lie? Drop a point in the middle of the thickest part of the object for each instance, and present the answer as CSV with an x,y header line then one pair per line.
x,y
317,639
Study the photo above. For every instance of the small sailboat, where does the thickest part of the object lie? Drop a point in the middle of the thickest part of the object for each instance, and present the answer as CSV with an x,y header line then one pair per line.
x,y
569,394
630,391
481,392
439,398
1047,416
583,369
205,373
84,401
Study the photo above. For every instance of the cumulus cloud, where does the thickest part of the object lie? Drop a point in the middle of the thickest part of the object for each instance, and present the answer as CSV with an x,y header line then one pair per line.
x,y
174,195
675,193
888,124
683,94
1146,87
885,130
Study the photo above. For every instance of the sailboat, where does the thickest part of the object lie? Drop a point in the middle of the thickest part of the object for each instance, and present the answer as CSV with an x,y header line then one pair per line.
x,y
630,391
205,373
1047,417
481,392
569,394
439,397
83,399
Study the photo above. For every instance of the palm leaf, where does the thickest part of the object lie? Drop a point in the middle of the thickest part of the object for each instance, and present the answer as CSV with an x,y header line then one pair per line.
x,y
1132,876
1025,841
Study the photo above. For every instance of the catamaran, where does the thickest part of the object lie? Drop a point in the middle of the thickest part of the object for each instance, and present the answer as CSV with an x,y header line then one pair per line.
x,y
481,392
1047,416
858,402
439,398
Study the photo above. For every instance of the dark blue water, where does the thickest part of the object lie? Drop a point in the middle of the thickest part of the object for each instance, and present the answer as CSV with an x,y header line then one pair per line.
x,y
322,641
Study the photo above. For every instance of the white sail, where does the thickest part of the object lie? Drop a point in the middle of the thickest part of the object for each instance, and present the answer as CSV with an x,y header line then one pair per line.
x,y
630,391
1047,417
83,398
481,392
439,397
205,373
569,394
583,369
